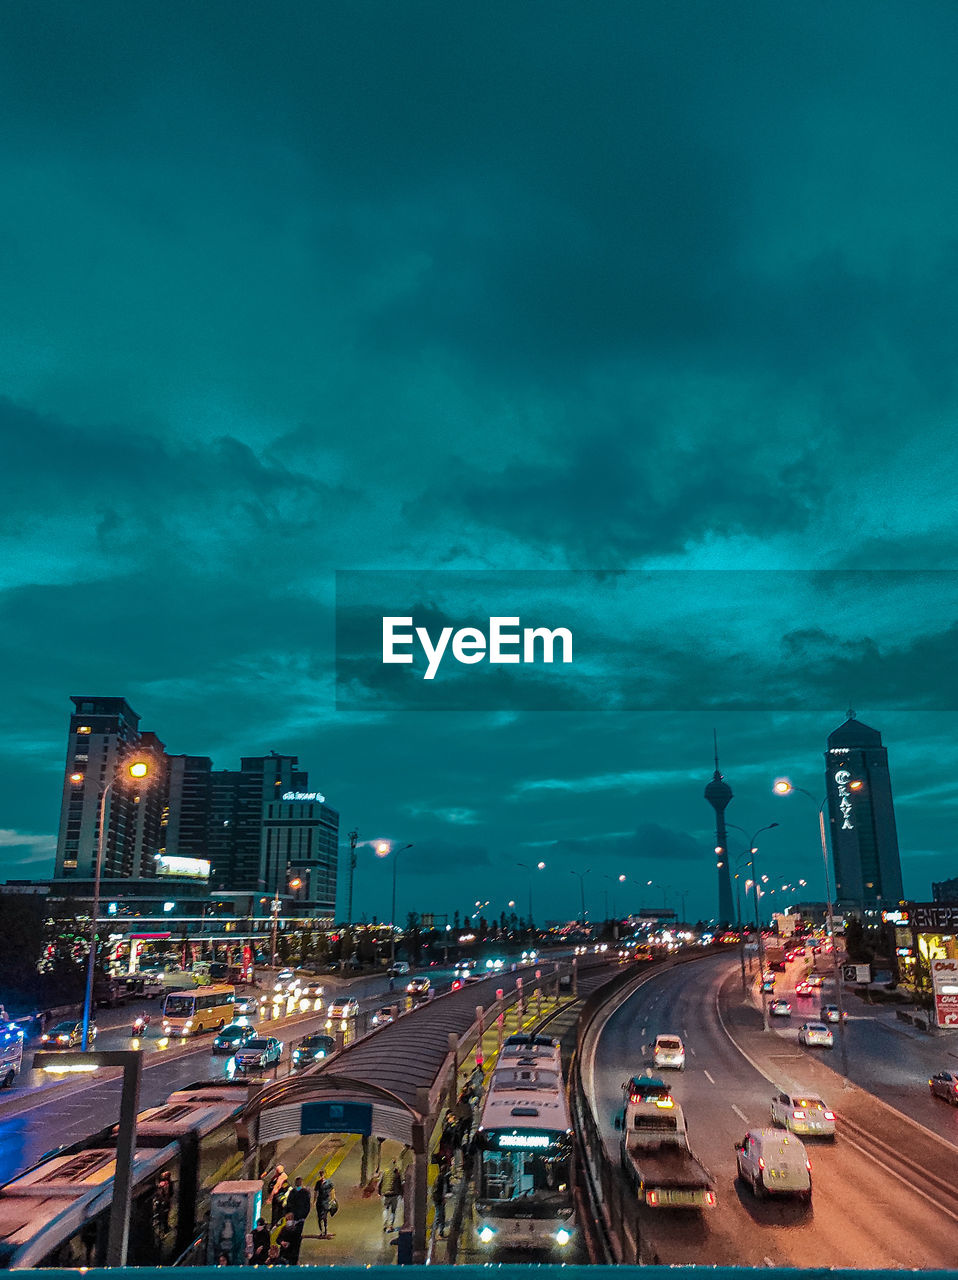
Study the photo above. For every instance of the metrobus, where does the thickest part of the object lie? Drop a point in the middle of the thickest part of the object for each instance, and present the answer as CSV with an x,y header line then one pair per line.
x,y
525,1152
57,1213
187,1013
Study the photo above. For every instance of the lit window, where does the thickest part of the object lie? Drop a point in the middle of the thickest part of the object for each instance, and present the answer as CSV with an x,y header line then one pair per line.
x,y
84,728
69,862
76,777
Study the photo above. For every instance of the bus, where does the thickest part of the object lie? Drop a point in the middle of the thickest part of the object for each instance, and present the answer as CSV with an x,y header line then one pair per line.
x,y
524,1187
57,1213
187,1013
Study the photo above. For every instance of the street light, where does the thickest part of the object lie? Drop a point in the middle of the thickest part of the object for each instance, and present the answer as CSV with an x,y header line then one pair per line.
x,y
383,851
752,851
615,880
137,769
353,837
784,787
540,866
581,875
666,889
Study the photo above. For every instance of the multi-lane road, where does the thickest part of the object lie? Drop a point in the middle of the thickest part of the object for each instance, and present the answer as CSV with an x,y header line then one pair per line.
x,y
868,1210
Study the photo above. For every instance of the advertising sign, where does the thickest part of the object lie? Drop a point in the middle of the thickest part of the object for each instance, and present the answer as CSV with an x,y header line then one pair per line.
x,y
234,1208
194,868
856,973
944,983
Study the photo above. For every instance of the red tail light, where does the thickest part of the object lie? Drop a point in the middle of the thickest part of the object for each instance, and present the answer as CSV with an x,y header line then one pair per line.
x,y
829,1115
808,1165
710,1197
761,1162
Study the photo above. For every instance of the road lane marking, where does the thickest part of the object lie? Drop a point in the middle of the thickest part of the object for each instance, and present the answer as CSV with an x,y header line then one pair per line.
x,y
708,1077
741,1114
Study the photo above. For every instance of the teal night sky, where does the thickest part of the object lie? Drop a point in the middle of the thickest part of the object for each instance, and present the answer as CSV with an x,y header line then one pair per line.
x,y
305,287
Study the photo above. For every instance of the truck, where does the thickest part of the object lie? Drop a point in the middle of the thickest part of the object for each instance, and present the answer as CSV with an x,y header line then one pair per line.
x,y
655,1152
775,956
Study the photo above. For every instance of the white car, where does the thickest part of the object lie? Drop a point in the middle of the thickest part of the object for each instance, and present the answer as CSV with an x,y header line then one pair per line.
x,y
830,1013
803,1113
669,1051
816,1034
774,1163
342,1009
780,1009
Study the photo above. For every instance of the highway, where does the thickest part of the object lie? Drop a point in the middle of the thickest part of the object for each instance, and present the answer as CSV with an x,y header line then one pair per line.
x,y
41,1112
864,1213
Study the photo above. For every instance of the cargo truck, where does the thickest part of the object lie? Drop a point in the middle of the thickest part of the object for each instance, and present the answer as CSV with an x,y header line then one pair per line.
x,y
655,1151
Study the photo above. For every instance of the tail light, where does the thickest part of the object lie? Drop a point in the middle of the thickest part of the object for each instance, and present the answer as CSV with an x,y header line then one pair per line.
x,y
761,1162
808,1165
710,1197
652,1198
829,1115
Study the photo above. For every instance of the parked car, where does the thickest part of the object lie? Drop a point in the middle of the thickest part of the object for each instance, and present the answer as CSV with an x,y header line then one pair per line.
x,y
803,1113
816,1035
944,1084
66,1035
264,1051
233,1036
312,1048
774,1163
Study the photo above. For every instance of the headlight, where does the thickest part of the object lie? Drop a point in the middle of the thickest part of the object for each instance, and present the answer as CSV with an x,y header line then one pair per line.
x,y
487,1234
563,1236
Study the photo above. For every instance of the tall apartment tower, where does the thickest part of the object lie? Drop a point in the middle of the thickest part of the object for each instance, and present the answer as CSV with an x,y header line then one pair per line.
x,y
861,817
104,732
186,819
718,793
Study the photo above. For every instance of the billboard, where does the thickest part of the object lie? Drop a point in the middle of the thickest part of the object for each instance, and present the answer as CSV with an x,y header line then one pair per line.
x,y
944,983
193,868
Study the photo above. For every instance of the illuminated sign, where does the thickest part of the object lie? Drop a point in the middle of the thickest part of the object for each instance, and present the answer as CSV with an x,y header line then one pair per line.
x,y
842,779
838,751
524,1140
895,917
169,865
304,795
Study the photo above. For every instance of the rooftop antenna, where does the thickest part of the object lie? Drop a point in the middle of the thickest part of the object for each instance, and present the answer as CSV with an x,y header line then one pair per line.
x,y
715,743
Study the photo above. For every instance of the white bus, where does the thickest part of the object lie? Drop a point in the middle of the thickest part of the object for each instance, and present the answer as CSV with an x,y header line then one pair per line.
x,y
187,1013
525,1152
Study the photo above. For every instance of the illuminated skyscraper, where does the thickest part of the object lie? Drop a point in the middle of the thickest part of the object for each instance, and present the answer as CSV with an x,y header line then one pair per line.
x,y
861,818
718,793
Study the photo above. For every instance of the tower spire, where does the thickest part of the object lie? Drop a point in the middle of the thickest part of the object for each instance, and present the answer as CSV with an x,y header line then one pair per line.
x,y
715,744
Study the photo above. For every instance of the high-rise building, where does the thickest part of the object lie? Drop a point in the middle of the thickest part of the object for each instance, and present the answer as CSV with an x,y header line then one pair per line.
x,y
188,810
103,732
861,817
718,793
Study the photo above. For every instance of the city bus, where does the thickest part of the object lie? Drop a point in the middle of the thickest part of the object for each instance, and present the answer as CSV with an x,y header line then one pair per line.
x,y
187,1013
525,1152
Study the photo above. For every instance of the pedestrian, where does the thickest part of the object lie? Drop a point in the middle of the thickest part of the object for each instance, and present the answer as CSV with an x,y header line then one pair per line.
x,y
298,1202
261,1243
390,1188
163,1202
289,1240
222,1260
323,1193
439,1190
278,1185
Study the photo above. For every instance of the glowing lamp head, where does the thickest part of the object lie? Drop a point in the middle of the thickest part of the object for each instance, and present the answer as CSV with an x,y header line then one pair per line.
x,y
382,850
76,777
541,866
621,879
296,884
782,786
139,769
856,785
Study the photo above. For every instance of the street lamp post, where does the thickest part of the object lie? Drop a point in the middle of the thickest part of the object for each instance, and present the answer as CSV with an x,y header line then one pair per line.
x,y
782,787
353,837
136,769
540,866
581,875
383,850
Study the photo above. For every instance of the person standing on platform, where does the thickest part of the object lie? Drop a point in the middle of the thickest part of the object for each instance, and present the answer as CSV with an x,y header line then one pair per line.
x,y
323,1195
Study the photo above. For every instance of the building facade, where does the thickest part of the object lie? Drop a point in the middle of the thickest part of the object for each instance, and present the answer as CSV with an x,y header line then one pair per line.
x,y
861,815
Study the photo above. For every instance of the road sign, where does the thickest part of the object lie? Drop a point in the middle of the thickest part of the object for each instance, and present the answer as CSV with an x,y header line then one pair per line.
x,y
856,973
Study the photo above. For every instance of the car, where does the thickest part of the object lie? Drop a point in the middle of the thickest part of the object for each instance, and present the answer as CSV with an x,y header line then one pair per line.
x,y
774,1163
803,989
464,967
814,979
418,988
312,1048
780,1009
647,1089
816,950
768,984
342,1009
944,1084
669,1051
233,1036
382,1016
399,969
803,1113
466,980
285,975
246,1006
263,1051
816,1035
830,1013
66,1035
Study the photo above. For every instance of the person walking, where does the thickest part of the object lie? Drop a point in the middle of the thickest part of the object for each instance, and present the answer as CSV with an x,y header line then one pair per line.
x,y
289,1239
261,1243
323,1195
391,1189
298,1202
277,1185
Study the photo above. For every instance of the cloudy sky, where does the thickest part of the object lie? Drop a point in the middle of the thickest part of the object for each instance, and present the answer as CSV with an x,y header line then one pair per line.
x,y
305,287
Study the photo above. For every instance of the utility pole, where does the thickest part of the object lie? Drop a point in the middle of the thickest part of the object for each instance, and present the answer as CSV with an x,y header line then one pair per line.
x,y
353,837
